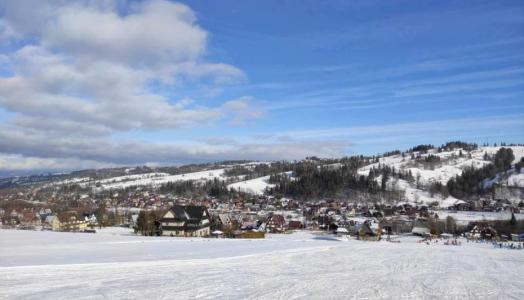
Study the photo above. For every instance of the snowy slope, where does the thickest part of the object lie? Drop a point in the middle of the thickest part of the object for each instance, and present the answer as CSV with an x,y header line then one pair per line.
x,y
163,178
36,265
150,179
516,180
518,151
451,166
255,186
511,178
135,177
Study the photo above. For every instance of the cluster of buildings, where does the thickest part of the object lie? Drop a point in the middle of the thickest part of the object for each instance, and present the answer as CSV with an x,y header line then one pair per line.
x,y
337,217
486,205
45,219
236,216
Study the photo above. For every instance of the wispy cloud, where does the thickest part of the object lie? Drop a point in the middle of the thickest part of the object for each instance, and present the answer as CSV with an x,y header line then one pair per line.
x,y
450,127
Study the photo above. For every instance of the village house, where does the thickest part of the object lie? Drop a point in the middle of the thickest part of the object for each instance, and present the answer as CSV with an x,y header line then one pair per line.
x,y
226,221
482,230
90,218
47,224
421,228
68,221
369,232
44,213
396,225
276,224
13,218
29,218
517,237
187,221
295,224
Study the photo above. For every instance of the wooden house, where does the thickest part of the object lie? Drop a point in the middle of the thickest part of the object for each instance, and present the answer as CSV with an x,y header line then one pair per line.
x,y
369,232
276,224
68,221
482,230
187,221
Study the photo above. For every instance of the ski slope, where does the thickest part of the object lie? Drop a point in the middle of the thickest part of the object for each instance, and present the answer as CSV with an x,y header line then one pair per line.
x,y
50,265
256,186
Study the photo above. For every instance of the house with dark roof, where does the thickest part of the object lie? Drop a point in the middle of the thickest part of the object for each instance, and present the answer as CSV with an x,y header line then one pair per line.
x,y
186,220
68,221
276,224
482,230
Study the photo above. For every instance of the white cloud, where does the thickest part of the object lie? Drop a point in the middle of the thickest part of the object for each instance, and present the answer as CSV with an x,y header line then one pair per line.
x,y
242,109
153,33
94,65
14,162
421,129
86,74
94,152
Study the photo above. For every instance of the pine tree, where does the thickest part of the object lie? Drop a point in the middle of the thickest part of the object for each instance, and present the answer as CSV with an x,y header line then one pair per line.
x,y
153,224
513,220
142,223
450,224
100,214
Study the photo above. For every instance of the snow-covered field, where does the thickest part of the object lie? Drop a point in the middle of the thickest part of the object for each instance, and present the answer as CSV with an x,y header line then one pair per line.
x,y
114,264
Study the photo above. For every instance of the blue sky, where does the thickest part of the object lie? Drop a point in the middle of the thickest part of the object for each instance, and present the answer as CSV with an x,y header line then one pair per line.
x,y
343,64
211,80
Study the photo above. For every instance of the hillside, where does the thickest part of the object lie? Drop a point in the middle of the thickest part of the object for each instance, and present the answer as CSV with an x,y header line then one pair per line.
x,y
451,164
411,176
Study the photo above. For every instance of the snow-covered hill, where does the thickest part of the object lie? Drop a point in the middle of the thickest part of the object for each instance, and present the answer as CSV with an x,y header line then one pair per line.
x,y
451,164
158,179
146,179
255,186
